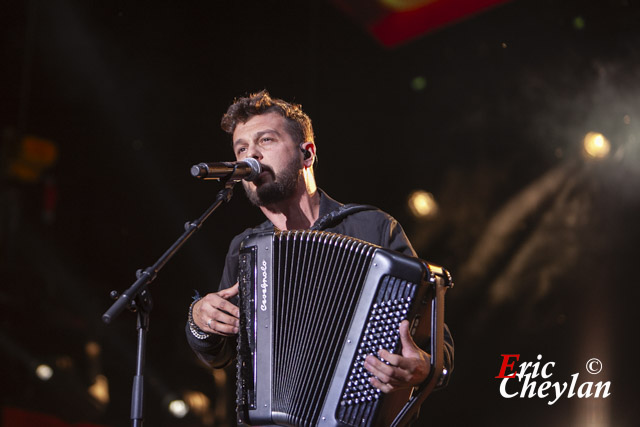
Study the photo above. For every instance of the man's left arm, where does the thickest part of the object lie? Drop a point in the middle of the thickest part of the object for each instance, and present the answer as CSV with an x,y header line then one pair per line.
x,y
412,366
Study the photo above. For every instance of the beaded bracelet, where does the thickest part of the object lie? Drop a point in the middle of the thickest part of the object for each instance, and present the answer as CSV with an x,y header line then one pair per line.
x,y
195,330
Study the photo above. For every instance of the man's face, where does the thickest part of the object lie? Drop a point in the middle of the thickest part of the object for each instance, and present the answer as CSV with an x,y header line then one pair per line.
x,y
266,139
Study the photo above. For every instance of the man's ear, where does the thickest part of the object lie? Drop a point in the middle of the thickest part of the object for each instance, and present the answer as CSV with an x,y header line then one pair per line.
x,y
309,150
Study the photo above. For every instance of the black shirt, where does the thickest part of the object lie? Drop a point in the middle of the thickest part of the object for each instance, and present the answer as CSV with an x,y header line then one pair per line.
x,y
361,222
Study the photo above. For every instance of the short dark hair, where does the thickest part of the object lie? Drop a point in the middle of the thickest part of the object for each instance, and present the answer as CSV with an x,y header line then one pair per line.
x,y
297,122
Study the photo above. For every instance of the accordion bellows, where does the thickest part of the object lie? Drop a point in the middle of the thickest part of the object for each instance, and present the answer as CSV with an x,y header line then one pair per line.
x,y
313,305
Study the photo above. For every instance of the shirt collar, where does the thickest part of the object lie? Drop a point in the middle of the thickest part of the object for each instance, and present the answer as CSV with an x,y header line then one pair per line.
x,y
327,205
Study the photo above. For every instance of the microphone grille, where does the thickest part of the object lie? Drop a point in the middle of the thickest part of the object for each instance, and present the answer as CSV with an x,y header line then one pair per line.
x,y
199,170
256,168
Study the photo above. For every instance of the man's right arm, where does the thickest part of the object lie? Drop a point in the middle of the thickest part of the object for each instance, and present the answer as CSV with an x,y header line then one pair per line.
x,y
216,322
215,343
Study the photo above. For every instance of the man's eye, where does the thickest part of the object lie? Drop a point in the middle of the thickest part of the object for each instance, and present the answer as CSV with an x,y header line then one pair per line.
x,y
241,150
266,139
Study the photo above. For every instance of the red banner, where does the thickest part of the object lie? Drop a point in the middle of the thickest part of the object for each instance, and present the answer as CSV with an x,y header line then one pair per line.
x,y
397,21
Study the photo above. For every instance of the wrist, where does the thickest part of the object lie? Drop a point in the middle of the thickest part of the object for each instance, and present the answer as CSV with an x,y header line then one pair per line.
x,y
195,329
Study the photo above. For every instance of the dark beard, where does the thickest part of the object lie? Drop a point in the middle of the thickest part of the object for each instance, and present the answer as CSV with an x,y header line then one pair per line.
x,y
281,188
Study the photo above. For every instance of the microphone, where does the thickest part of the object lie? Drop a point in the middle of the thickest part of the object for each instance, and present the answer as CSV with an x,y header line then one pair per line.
x,y
247,169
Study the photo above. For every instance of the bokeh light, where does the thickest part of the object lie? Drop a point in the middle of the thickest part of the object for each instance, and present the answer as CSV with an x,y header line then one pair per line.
x,y
44,372
422,204
178,408
596,145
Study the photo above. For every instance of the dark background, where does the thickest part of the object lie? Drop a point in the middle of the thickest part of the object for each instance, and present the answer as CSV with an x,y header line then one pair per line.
x,y
542,242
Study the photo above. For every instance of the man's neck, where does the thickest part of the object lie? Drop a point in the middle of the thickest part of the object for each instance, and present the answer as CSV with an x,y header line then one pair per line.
x,y
299,212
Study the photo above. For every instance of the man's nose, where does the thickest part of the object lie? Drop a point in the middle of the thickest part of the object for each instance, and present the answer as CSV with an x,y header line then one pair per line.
x,y
255,152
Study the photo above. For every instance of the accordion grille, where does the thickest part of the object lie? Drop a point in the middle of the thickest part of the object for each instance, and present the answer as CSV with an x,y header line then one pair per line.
x,y
318,279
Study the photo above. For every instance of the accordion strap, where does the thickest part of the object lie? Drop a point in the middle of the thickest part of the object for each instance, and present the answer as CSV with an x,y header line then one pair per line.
x,y
410,411
334,217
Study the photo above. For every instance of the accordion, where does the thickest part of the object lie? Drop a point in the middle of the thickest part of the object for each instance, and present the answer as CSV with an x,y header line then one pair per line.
x,y
313,305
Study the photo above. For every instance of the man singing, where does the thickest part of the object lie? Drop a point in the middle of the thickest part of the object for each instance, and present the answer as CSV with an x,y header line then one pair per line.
x,y
279,136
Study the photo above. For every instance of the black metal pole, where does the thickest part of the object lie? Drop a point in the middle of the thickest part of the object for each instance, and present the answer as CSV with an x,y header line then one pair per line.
x,y
138,298
143,305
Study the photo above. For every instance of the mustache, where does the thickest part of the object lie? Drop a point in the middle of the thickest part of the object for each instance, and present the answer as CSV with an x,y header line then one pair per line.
x,y
267,168
264,168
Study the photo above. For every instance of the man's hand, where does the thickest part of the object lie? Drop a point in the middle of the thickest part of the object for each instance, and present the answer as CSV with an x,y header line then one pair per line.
x,y
213,313
406,370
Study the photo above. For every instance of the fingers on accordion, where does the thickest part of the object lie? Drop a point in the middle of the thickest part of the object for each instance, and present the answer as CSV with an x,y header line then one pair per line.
x,y
220,316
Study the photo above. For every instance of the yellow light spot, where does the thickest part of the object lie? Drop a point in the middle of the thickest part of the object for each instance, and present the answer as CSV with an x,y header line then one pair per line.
x,y
197,401
92,349
596,145
422,204
34,155
99,390
405,5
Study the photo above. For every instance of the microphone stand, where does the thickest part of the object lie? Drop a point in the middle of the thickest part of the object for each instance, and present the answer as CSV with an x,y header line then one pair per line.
x,y
138,299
